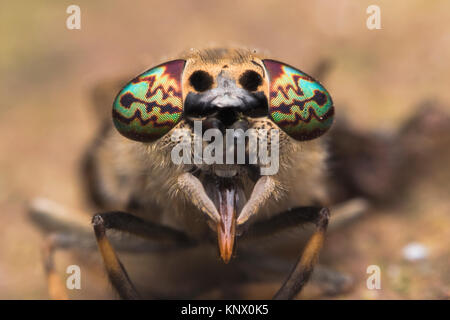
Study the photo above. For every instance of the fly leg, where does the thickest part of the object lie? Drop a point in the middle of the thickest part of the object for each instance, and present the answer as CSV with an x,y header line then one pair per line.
x,y
125,222
302,270
67,228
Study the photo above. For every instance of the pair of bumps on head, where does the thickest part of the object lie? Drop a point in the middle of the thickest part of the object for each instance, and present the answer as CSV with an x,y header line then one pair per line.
x,y
150,105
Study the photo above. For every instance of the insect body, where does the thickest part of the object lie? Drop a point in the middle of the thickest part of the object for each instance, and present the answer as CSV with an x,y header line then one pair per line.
x,y
131,166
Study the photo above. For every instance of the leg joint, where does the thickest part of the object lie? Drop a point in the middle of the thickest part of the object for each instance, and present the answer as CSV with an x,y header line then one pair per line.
x,y
323,219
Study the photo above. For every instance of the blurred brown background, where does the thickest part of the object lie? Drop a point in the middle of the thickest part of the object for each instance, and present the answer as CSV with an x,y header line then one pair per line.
x,y
378,79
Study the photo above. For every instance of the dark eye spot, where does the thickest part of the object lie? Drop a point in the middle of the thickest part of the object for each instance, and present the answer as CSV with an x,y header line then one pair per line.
x,y
250,80
201,80
320,98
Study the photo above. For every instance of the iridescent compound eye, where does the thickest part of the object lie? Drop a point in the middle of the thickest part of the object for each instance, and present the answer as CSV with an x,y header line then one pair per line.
x,y
151,104
298,104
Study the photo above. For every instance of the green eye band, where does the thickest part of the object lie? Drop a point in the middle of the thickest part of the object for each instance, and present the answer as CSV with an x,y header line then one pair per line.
x,y
298,104
150,105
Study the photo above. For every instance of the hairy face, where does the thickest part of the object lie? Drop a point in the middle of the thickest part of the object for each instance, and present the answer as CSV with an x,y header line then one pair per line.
x,y
219,109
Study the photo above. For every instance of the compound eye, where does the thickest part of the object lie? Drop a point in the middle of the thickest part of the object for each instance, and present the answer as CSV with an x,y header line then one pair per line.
x,y
298,104
150,105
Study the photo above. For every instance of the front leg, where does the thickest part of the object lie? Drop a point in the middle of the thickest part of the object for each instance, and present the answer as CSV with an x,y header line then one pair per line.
x,y
116,272
294,217
305,265
126,222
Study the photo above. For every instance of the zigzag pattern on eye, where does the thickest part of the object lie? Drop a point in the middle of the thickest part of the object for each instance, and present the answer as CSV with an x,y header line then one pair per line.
x,y
138,115
319,98
285,89
151,80
128,99
151,104
294,99
311,115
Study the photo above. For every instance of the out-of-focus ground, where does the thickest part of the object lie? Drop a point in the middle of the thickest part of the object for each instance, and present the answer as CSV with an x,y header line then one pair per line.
x,y
377,80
